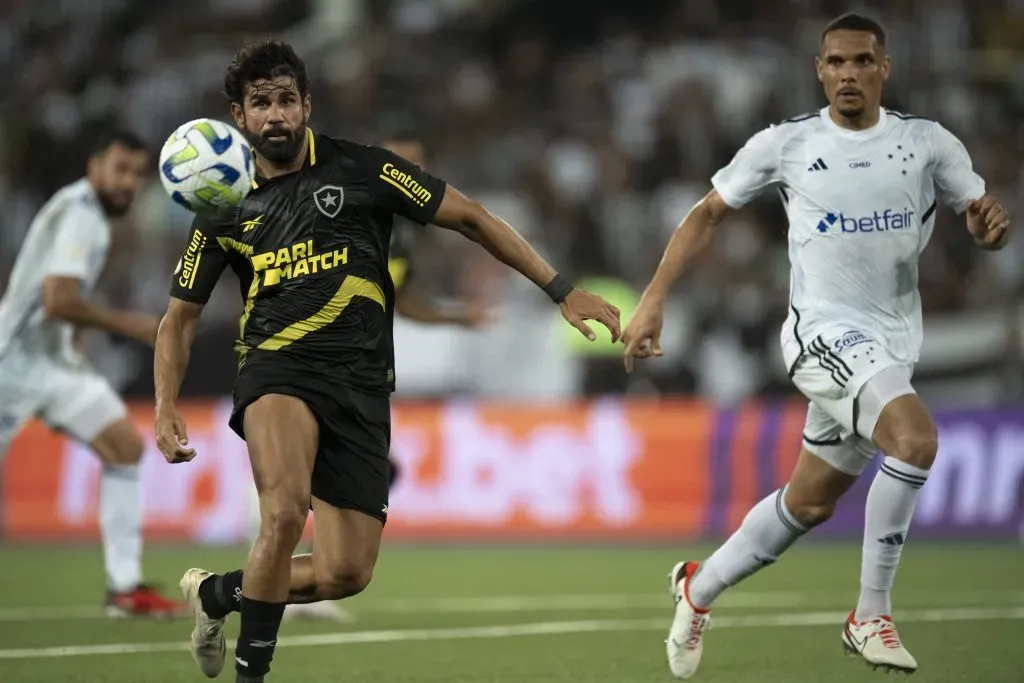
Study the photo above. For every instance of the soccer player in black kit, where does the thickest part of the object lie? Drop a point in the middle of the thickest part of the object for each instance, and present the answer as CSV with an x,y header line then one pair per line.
x,y
309,246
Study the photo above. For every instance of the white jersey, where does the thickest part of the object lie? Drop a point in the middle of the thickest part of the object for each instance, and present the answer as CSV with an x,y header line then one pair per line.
x,y
69,237
861,207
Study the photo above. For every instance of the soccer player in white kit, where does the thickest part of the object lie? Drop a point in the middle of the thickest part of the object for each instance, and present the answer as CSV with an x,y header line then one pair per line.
x,y
859,184
42,375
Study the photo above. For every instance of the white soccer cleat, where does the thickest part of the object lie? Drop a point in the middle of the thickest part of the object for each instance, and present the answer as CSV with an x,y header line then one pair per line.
x,y
207,645
878,643
325,610
685,642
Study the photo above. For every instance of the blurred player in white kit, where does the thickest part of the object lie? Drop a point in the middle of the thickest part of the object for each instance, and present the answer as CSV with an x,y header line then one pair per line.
x,y
859,184
42,375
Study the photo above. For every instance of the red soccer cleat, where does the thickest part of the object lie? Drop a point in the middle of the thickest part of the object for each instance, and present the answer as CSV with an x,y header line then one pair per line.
x,y
144,601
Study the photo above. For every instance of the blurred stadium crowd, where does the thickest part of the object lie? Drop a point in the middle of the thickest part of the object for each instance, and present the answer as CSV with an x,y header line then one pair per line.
x,y
591,126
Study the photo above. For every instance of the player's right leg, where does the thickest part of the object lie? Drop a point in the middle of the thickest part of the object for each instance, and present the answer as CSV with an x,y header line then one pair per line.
x,y
282,435
771,527
902,427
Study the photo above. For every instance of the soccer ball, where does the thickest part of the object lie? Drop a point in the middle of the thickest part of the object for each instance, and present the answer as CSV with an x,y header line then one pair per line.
x,y
206,166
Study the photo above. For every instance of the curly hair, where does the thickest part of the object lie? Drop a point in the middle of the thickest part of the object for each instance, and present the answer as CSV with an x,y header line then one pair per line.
x,y
263,61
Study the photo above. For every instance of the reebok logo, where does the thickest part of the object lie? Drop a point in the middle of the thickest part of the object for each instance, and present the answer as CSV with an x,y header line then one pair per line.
x,y
818,165
262,644
252,223
879,221
898,538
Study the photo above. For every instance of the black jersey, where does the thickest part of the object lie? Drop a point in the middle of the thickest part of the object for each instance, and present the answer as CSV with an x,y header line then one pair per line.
x,y
310,250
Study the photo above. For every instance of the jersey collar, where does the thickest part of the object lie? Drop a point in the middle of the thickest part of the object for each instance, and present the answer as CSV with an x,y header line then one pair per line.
x,y
310,158
855,134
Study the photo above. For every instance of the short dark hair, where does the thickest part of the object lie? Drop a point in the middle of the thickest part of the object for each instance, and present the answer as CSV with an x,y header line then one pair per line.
x,y
263,61
109,136
851,21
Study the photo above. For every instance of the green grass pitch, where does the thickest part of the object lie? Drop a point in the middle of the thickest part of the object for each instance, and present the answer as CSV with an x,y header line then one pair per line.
x,y
533,614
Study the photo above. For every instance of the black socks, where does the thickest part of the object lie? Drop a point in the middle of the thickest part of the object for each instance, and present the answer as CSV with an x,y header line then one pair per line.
x,y
221,594
258,637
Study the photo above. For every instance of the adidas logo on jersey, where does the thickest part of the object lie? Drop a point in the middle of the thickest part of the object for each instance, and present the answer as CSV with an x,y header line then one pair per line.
x,y
818,165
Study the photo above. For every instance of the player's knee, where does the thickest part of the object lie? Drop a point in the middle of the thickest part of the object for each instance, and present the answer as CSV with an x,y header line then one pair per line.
x,y
344,579
917,448
811,514
283,521
124,450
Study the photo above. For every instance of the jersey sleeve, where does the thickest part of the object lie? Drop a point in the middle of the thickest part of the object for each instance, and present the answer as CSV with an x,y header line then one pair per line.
x,y
76,231
754,167
201,265
402,187
955,179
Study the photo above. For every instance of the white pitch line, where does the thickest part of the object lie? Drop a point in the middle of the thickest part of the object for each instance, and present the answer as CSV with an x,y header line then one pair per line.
x,y
487,605
543,628
548,603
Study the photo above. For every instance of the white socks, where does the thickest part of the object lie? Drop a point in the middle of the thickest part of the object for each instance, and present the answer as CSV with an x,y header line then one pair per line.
x,y
767,531
121,526
890,506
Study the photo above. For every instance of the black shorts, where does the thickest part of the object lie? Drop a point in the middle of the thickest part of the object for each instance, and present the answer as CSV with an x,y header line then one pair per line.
x,y
352,469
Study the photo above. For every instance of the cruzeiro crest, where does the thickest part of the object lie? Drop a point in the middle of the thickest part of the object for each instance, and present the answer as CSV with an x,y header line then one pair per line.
x,y
328,200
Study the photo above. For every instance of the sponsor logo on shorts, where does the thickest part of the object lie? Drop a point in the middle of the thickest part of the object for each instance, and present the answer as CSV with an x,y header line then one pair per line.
x,y
849,339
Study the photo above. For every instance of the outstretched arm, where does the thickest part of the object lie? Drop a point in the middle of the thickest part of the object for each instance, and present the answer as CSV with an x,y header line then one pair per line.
x,y
643,333
754,167
458,212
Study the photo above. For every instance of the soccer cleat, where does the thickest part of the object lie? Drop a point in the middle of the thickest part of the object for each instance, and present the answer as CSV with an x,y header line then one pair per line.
x,y
207,646
326,610
143,601
878,643
685,642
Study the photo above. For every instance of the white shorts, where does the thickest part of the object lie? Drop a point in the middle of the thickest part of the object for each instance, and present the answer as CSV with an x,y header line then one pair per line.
x,y
72,399
849,378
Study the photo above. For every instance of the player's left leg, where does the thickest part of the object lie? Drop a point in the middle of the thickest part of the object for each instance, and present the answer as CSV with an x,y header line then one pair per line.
x,y
903,429
87,408
327,609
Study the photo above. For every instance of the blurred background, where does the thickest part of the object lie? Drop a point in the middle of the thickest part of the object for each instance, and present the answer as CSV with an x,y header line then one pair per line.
x,y
592,126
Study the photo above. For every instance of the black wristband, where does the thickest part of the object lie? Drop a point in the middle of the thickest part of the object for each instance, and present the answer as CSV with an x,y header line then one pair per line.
x,y
558,289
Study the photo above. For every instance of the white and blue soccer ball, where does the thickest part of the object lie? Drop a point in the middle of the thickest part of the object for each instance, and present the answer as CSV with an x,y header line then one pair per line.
x,y
206,166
